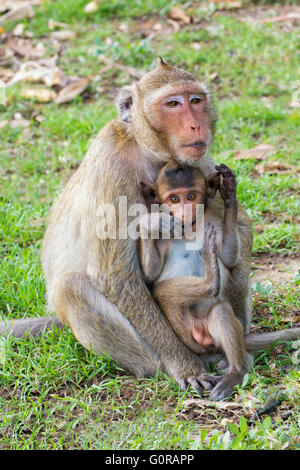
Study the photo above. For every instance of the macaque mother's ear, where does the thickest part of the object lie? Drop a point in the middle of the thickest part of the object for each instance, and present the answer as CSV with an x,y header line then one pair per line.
x,y
212,184
125,102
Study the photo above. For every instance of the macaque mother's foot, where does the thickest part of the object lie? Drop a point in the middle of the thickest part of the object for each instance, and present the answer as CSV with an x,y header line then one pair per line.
x,y
223,384
197,383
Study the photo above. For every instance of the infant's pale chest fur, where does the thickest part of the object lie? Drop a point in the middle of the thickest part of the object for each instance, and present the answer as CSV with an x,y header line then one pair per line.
x,y
182,262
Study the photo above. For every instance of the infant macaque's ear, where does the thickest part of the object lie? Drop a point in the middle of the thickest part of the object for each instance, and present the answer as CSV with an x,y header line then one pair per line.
x,y
149,193
212,184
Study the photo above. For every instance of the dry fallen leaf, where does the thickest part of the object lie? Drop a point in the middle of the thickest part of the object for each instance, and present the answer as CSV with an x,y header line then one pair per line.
x,y
294,104
63,35
56,24
42,95
267,101
274,167
296,237
260,152
137,74
259,228
6,74
25,48
229,3
6,5
18,13
178,14
19,122
19,29
39,118
123,27
275,19
175,25
37,222
220,405
36,72
91,7
290,318
71,91
157,27
3,123
145,28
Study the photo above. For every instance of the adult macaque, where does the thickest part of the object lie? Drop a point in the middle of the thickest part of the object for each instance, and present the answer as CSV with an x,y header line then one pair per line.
x,y
95,285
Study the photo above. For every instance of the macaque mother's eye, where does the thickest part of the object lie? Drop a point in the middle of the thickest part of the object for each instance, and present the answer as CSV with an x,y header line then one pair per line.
x,y
195,99
172,103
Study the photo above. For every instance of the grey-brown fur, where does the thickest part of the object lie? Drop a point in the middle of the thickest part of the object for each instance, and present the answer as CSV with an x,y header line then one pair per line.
x,y
29,326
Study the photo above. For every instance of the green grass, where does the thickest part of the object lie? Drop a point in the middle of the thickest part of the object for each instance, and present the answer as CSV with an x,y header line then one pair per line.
x,y
53,393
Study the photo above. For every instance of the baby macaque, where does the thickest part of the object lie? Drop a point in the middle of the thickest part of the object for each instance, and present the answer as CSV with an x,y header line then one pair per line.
x,y
191,286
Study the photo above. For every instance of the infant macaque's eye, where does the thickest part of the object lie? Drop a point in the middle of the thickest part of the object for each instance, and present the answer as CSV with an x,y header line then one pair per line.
x,y
174,199
191,196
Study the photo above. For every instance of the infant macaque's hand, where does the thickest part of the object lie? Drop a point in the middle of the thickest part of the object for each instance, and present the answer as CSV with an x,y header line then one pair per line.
x,y
229,183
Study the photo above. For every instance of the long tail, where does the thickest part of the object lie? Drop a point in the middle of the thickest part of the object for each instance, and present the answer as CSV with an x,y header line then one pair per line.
x,y
257,341
28,326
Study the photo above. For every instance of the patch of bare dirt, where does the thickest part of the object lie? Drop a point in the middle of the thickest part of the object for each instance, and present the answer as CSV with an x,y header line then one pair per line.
x,y
287,17
275,267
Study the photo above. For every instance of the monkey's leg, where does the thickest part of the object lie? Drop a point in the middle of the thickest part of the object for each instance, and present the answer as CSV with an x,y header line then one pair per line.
x,y
227,332
174,296
175,314
229,250
98,324
184,291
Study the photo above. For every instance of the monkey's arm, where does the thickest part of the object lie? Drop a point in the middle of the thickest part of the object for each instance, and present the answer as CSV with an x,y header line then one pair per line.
x,y
229,249
150,259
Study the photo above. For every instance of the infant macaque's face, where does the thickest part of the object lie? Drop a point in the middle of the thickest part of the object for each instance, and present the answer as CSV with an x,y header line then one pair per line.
x,y
182,202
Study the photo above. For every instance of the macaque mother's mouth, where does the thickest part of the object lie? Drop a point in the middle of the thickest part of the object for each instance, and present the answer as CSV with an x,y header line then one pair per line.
x,y
196,145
